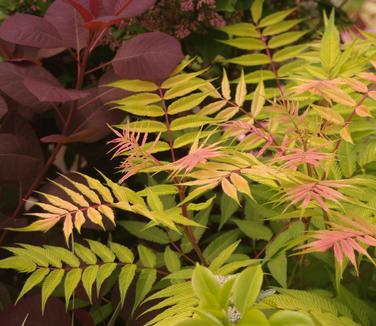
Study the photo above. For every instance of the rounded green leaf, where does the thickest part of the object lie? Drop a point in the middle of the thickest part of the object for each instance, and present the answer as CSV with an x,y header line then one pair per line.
x,y
290,318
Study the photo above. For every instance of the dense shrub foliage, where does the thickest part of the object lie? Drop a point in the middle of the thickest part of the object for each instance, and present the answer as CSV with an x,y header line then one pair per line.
x,y
159,191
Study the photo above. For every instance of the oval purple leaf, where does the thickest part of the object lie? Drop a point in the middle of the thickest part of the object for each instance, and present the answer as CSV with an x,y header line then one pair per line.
x,y
68,23
46,92
150,56
31,31
127,8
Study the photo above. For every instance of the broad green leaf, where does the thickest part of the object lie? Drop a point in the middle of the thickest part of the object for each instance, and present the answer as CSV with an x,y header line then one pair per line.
x,y
289,52
147,256
253,317
241,91
144,110
290,318
245,43
85,254
205,286
259,99
172,260
88,278
281,27
254,230
285,39
222,258
104,273
330,45
256,10
145,282
241,29
50,283
134,85
190,121
72,279
145,126
275,18
139,230
220,243
126,276
21,264
124,254
102,251
186,103
225,86
33,280
139,99
278,269
329,114
247,287
250,59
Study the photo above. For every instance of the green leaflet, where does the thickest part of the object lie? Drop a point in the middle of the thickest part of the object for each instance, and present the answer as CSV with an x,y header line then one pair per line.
x,y
289,52
145,282
256,10
186,103
102,251
223,256
278,269
250,59
172,260
139,99
134,85
145,126
247,287
245,43
254,230
33,280
241,29
104,273
126,276
72,279
185,88
330,45
143,110
275,18
220,243
190,121
49,285
281,27
88,278
205,286
85,254
124,254
147,256
285,39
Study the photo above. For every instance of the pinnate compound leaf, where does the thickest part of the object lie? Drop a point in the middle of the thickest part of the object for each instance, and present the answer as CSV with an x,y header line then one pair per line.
x,y
72,279
33,280
31,31
247,287
50,283
88,278
126,276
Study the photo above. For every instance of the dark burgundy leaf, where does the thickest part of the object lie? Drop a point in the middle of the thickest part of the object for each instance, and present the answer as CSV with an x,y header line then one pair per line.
x,y
127,8
19,159
84,12
45,92
3,107
89,124
6,49
31,31
28,312
68,23
103,22
150,56
12,78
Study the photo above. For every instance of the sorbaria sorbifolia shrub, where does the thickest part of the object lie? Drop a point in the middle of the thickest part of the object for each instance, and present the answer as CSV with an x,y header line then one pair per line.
x,y
252,197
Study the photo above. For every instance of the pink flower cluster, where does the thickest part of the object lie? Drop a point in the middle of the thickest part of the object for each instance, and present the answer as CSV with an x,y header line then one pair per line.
x,y
181,17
